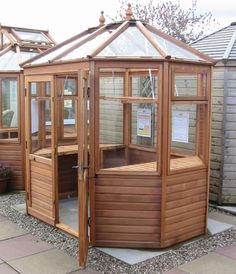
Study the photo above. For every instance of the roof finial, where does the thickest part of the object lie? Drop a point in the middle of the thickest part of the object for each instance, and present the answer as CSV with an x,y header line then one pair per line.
x,y
128,13
102,18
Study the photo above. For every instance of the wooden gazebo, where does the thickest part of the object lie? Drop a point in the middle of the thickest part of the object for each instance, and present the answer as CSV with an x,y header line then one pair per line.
x,y
16,45
129,106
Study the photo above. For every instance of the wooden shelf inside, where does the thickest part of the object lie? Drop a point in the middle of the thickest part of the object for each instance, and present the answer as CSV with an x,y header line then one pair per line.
x,y
175,164
122,99
62,150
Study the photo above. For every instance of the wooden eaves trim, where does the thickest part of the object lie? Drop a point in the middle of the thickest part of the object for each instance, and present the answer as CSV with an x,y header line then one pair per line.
x,y
181,44
116,33
147,34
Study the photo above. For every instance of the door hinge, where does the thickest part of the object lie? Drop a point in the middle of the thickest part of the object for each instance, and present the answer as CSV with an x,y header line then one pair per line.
x,y
89,221
27,195
26,145
25,91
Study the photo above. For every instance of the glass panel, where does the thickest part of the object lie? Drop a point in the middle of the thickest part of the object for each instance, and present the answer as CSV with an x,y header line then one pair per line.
x,y
137,152
144,85
144,125
111,112
130,43
183,135
41,123
70,87
70,111
87,48
32,36
173,50
186,85
9,104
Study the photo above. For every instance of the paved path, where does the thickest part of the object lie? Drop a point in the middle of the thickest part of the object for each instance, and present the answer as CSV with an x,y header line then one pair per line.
x,y
23,253
20,252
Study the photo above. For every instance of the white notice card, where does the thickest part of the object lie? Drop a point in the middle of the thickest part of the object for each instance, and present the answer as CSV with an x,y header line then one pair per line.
x,y
180,126
144,122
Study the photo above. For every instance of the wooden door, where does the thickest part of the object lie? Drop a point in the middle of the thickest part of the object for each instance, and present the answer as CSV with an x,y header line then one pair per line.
x,y
83,168
40,148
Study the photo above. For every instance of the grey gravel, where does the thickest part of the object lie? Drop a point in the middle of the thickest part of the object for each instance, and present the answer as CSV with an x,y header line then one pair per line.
x,y
104,263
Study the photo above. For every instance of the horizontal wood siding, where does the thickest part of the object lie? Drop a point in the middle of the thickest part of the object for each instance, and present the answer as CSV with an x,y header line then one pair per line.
x,y
186,202
217,128
127,211
229,168
11,154
41,191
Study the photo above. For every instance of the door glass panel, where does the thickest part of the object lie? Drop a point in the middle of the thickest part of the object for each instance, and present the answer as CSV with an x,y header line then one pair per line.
x,y
41,123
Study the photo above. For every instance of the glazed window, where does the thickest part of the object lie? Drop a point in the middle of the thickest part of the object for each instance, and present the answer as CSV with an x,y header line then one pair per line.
x,y
67,109
188,121
40,115
128,120
9,99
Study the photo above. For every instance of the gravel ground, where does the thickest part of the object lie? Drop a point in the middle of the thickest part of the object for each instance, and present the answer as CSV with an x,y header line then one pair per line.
x,y
104,263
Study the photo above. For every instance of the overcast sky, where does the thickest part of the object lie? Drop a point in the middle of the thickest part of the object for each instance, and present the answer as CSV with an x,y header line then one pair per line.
x,y
65,18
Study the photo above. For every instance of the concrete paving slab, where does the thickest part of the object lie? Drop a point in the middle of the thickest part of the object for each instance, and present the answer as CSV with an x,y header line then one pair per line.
x,y
221,217
84,271
9,230
50,262
21,246
2,218
131,256
209,264
175,271
6,269
231,209
229,251
20,207
217,227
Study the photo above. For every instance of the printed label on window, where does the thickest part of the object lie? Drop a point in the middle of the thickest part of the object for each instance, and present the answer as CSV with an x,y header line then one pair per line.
x,y
180,126
144,120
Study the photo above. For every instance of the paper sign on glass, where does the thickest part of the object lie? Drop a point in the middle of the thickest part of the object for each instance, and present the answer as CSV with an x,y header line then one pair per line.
x,y
144,122
180,126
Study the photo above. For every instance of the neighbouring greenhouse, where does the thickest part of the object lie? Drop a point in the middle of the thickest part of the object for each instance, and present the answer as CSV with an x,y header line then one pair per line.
x,y
221,45
16,45
118,116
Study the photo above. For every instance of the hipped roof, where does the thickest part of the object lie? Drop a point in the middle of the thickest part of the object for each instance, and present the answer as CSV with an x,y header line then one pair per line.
x,y
220,45
125,39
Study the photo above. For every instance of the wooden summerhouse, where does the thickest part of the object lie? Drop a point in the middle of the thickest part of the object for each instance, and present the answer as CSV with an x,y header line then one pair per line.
x,y
16,45
119,116
221,45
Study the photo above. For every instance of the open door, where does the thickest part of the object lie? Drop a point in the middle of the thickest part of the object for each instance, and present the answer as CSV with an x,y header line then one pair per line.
x,y
83,168
40,148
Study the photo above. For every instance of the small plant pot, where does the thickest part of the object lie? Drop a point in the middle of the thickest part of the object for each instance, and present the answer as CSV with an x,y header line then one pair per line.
x,y
3,184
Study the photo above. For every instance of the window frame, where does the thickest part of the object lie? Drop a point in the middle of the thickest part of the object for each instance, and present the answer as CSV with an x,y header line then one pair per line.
x,y
17,129
205,101
127,101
